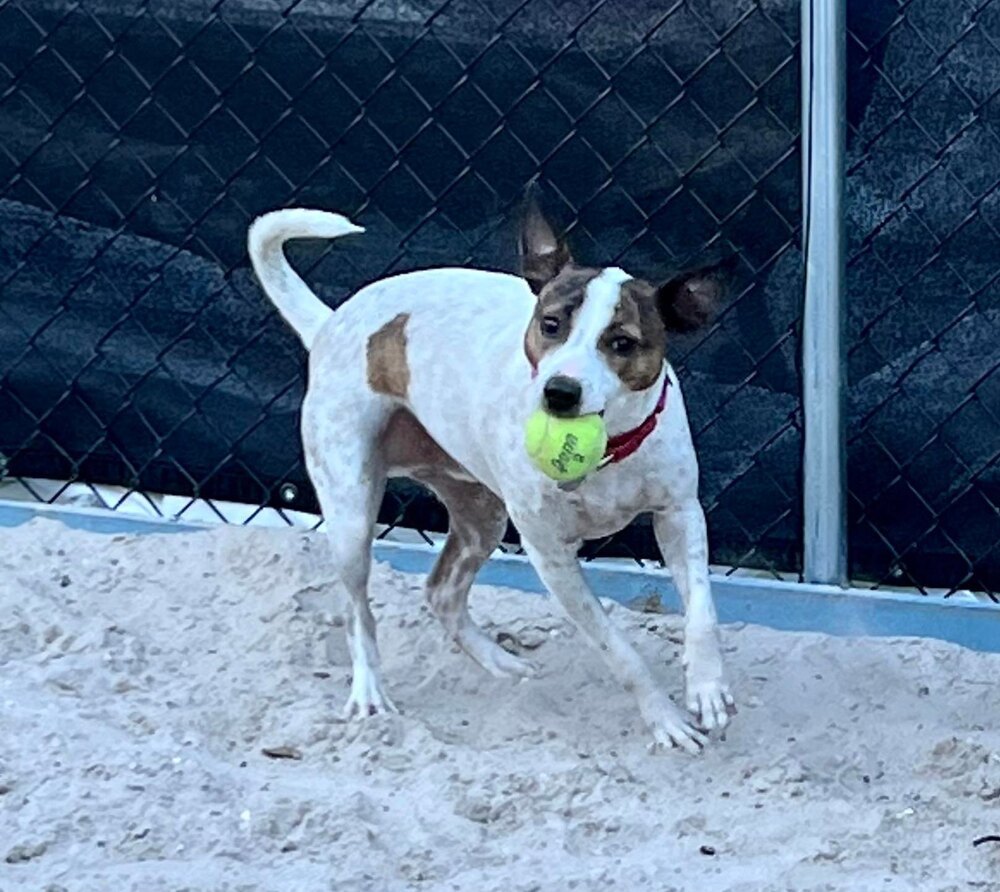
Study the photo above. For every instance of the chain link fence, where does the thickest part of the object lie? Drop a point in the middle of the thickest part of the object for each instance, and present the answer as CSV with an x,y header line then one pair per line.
x,y
923,184
140,138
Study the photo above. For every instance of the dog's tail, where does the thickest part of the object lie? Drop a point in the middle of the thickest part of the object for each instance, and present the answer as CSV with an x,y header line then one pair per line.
x,y
295,300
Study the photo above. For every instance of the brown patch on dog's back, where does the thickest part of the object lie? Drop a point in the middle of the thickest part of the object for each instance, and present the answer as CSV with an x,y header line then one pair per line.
x,y
388,369
637,318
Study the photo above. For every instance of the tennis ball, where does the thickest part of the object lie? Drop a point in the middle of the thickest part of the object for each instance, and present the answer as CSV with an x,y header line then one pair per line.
x,y
565,448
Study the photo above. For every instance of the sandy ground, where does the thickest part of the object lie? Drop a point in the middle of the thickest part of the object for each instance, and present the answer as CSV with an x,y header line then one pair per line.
x,y
143,678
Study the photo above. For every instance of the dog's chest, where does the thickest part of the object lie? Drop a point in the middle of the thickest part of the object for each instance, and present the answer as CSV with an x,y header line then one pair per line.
x,y
603,504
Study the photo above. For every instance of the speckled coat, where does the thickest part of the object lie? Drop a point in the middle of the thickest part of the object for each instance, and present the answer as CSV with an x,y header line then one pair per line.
x,y
433,374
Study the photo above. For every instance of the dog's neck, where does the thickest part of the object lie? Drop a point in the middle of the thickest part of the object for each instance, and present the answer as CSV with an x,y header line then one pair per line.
x,y
628,415
622,445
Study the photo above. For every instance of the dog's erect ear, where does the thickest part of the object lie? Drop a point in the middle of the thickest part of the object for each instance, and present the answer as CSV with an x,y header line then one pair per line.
x,y
542,253
689,301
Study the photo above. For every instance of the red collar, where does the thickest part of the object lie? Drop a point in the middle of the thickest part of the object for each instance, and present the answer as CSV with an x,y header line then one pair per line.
x,y
621,446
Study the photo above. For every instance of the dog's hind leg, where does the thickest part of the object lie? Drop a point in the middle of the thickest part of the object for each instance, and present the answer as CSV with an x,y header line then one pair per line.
x,y
477,520
348,474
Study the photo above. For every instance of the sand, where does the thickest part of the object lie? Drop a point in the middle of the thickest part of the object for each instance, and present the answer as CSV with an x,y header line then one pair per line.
x,y
170,721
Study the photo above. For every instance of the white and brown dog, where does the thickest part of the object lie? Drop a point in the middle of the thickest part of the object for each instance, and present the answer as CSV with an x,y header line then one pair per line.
x,y
432,375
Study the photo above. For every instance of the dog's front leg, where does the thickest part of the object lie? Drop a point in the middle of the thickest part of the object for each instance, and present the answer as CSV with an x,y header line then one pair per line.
x,y
680,532
559,569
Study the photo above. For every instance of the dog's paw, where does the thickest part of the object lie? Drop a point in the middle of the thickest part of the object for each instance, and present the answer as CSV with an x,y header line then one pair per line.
x,y
367,697
708,696
502,664
711,703
499,662
671,727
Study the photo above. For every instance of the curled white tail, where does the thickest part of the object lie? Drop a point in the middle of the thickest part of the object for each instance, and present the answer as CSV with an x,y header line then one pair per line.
x,y
295,300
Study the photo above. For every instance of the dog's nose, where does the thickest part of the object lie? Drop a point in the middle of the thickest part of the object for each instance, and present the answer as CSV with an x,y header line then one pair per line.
x,y
562,395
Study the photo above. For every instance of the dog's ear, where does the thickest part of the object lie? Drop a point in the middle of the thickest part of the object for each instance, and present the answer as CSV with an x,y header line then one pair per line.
x,y
689,301
542,253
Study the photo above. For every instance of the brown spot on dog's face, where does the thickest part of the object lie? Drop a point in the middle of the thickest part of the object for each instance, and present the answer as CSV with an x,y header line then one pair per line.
x,y
388,370
560,285
558,303
634,343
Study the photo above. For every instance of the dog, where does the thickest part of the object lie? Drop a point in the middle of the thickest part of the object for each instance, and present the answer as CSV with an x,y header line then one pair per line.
x,y
432,375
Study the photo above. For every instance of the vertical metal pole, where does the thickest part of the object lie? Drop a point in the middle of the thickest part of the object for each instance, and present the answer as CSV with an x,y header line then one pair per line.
x,y
824,27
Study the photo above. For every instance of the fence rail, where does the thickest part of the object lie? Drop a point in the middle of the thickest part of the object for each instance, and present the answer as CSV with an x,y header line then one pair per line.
x,y
141,137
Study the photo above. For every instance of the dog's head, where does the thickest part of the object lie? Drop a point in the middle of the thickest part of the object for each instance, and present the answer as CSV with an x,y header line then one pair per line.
x,y
598,337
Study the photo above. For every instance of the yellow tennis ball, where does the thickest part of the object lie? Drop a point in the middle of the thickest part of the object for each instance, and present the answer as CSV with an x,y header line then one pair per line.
x,y
565,448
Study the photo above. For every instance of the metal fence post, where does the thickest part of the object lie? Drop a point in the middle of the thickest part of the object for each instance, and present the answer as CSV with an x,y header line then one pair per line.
x,y
824,27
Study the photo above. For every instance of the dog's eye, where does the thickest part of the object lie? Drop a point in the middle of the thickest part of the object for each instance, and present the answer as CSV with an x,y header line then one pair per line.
x,y
623,346
550,326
